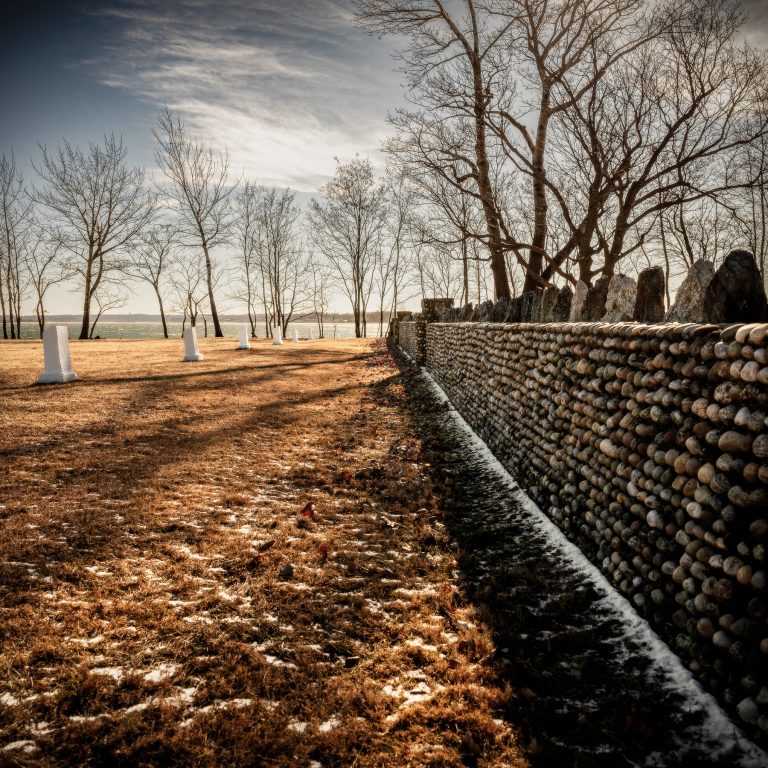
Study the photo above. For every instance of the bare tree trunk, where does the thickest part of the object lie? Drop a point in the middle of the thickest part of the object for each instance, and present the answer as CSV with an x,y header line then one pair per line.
x,y
498,264
538,242
162,312
2,308
211,302
85,327
10,288
40,312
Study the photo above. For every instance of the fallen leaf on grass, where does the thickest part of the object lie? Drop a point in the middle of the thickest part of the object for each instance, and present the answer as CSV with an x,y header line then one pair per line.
x,y
308,511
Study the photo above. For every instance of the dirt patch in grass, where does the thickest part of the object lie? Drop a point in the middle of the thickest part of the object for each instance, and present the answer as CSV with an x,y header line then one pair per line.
x,y
239,561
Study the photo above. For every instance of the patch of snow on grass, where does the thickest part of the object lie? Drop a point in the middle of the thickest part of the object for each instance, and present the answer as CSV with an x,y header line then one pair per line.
x,y
329,725
190,554
25,745
96,571
161,672
275,662
417,642
86,640
114,672
198,619
8,700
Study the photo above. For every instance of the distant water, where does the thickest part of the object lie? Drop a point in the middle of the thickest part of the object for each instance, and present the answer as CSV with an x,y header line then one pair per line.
x,y
127,330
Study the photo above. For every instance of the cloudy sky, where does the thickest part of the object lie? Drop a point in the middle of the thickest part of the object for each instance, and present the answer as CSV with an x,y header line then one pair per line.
x,y
285,85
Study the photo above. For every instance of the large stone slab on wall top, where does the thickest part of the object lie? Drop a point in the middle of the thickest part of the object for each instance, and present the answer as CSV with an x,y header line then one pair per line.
x,y
561,312
577,305
515,310
527,306
594,302
501,310
548,301
620,299
736,293
649,306
688,306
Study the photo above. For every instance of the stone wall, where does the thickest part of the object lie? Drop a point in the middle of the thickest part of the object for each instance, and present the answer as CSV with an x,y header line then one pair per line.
x,y
411,335
648,446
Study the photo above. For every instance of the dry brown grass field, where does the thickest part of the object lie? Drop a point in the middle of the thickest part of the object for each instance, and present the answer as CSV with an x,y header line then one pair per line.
x,y
234,562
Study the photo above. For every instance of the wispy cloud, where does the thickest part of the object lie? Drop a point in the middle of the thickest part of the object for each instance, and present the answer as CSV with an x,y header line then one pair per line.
x,y
284,85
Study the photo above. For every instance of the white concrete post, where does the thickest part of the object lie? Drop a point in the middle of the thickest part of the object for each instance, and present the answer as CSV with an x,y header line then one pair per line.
x,y
295,335
277,335
58,365
244,343
191,350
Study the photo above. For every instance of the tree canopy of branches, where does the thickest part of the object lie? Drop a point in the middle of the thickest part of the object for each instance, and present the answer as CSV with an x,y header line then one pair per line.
x,y
347,227
446,63
199,189
570,125
100,206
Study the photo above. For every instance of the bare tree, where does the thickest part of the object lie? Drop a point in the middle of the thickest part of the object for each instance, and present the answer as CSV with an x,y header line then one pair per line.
x,y
100,205
189,286
391,269
560,50
150,259
347,228
751,203
247,204
200,190
15,222
282,261
321,273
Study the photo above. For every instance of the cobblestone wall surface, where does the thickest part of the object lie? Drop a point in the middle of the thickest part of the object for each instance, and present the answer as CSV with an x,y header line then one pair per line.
x,y
412,337
648,446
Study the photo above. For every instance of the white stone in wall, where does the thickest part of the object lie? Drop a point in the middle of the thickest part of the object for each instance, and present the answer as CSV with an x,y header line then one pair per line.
x,y
58,365
277,335
191,350
244,343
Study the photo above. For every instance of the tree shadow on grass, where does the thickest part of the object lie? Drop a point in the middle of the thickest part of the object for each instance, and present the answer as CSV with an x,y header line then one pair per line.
x,y
127,455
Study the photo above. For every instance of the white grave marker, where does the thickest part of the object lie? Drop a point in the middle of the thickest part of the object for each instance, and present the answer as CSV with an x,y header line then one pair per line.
x,y
295,335
277,335
244,343
191,350
58,365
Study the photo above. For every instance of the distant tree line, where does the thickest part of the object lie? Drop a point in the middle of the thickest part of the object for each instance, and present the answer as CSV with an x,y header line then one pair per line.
x,y
97,224
545,141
